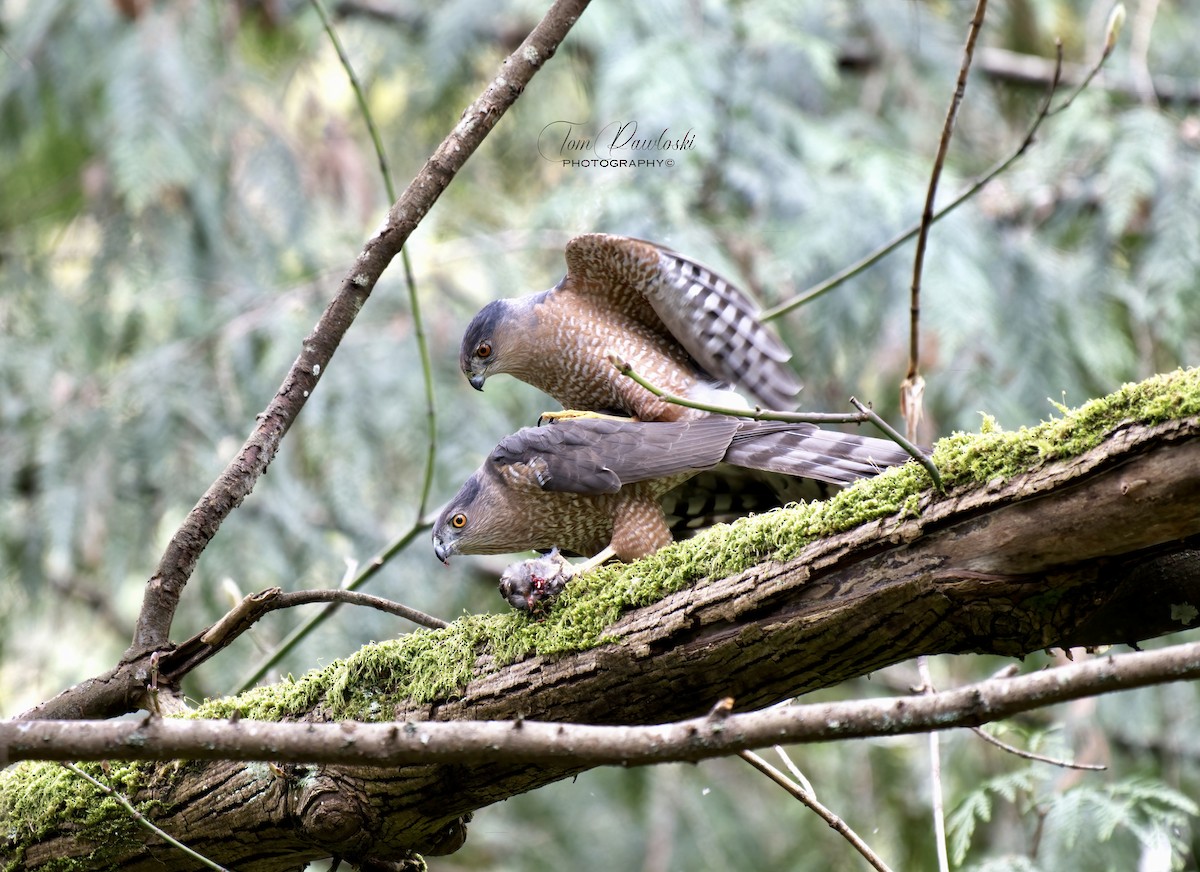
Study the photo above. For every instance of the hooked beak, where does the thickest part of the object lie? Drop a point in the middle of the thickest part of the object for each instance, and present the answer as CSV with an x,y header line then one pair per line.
x,y
443,550
477,380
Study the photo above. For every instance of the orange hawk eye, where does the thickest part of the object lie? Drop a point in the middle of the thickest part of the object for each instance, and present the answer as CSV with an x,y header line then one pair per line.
x,y
484,350
458,521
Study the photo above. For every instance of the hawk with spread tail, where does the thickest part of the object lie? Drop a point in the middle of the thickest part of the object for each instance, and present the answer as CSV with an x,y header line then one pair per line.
x,y
595,486
679,324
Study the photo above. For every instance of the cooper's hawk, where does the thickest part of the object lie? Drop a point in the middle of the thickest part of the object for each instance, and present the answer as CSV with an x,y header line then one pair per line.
x,y
677,323
590,485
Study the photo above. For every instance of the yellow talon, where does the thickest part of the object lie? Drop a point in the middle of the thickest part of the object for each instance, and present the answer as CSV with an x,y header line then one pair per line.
x,y
572,414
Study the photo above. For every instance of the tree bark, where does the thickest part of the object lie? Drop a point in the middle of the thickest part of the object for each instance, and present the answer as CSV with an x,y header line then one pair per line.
x,y
1098,549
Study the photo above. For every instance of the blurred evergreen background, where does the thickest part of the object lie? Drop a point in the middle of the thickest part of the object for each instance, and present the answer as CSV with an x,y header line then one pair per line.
x,y
183,185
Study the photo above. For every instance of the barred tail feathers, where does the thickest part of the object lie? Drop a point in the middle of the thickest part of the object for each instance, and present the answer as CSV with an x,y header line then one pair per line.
x,y
808,451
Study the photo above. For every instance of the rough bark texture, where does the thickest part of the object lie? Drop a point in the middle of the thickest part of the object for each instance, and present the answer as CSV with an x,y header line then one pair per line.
x,y
1089,551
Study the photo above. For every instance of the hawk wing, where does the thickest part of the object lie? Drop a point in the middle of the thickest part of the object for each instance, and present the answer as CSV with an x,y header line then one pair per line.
x,y
599,456
714,321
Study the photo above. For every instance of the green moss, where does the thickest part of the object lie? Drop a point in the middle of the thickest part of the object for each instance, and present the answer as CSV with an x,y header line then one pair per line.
x,y
428,665
36,797
965,458
425,665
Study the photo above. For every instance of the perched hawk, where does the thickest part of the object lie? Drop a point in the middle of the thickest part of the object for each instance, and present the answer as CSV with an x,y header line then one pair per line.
x,y
677,323
595,486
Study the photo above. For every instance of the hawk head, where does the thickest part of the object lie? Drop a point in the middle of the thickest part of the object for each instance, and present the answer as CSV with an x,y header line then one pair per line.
x,y
487,340
507,336
480,519
453,530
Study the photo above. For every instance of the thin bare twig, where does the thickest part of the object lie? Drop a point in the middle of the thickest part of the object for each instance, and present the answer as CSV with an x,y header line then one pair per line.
x,y
912,388
1030,755
810,801
937,801
349,597
142,819
793,768
1044,111
627,370
756,414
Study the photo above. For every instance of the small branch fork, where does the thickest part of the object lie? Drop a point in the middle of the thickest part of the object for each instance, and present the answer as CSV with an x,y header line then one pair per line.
x,y
426,742
205,644
802,791
361,577
864,414
1115,21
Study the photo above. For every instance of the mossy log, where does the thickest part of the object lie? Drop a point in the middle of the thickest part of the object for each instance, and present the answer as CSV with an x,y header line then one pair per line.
x,y
1080,531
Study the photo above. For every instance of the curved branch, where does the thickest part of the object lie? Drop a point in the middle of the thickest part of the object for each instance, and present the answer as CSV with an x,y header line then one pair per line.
x,y
208,642
1030,755
354,598
810,801
364,574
